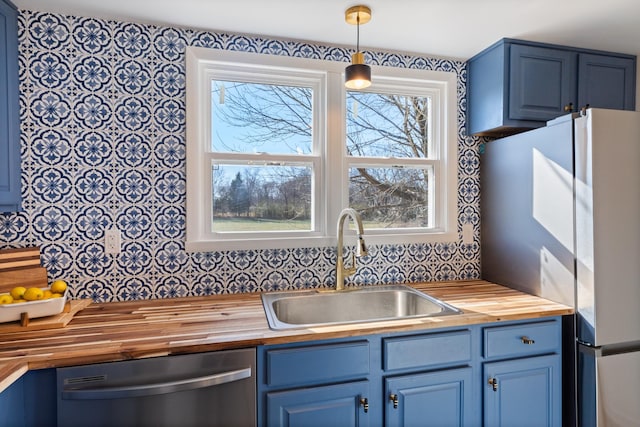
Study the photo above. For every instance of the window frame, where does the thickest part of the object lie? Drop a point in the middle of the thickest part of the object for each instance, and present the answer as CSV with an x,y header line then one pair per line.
x,y
329,148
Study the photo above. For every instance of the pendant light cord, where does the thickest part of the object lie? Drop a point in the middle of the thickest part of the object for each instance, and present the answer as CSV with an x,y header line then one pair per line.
x,y
358,32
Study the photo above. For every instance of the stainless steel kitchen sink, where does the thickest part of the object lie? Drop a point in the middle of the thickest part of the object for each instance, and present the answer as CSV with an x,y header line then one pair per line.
x,y
304,309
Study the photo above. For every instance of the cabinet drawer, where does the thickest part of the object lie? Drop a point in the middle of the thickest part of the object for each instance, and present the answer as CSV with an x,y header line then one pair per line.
x,y
317,364
420,351
522,340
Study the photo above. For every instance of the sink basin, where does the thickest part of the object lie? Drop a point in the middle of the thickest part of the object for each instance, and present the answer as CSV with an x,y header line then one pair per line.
x,y
304,309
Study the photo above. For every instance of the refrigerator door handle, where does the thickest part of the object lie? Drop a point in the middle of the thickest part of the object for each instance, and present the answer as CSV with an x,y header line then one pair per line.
x,y
610,349
585,347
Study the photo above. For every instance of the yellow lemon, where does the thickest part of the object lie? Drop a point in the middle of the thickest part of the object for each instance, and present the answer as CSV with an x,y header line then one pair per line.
x,y
56,295
33,294
17,292
6,299
47,294
58,287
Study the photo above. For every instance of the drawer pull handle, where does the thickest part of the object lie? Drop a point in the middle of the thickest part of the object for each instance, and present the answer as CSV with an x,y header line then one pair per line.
x,y
365,404
394,398
493,382
527,340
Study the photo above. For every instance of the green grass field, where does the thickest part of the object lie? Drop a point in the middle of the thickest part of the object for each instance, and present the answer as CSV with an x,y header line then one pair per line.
x,y
222,224
227,224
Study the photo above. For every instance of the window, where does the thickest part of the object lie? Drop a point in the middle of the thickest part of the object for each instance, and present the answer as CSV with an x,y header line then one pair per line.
x,y
263,155
276,147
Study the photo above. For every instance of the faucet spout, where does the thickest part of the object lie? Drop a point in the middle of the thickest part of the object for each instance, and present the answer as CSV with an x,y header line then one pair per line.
x,y
361,248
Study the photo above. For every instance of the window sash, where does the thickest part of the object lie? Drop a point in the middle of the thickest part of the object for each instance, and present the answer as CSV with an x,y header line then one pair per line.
x,y
399,87
310,142
312,162
431,167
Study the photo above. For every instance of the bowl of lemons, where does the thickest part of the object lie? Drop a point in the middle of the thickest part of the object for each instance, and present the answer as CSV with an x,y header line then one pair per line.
x,y
34,301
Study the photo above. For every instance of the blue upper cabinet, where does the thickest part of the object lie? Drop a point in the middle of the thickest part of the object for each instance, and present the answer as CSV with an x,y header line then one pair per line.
x,y
516,85
607,82
9,109
542,82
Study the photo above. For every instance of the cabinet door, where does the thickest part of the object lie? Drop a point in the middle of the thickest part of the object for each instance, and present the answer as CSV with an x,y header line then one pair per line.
x,y
36,389
523,392
337,405
606,82
12,405
441,398
542,82
9,110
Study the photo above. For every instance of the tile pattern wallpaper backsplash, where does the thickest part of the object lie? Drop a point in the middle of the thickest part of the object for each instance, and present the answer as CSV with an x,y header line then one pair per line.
x,y
103,144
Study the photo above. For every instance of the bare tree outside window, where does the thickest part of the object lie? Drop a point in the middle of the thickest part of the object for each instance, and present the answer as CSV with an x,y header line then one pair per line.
x,y
396,126
263,118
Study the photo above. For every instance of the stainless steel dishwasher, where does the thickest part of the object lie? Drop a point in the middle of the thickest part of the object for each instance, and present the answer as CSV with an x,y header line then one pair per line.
x,y
203,389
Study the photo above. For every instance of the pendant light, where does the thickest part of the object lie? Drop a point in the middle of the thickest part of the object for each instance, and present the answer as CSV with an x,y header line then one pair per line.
x,y
358,74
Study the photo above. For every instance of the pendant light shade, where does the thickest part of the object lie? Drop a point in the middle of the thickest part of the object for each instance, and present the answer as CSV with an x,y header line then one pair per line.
x,y
358,74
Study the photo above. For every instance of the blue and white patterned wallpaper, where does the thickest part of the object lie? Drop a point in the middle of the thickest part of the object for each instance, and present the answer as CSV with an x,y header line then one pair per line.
x,y
103,144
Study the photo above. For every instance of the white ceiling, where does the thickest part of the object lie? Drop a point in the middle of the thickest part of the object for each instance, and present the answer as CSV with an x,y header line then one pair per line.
x,y
444,28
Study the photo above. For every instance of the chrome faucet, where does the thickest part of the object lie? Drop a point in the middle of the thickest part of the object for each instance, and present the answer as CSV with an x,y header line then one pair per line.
x,y
361,249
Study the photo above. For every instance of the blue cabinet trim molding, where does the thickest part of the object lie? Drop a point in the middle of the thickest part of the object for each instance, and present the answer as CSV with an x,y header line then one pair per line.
x,y
9,110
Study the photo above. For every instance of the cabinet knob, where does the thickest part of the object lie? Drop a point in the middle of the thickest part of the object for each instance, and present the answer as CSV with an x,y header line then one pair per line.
x,y
394,398
364,402
493,382
569,107
527,340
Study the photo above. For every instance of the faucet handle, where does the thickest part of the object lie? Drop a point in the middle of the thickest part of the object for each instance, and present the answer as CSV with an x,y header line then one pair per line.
x,y
352,268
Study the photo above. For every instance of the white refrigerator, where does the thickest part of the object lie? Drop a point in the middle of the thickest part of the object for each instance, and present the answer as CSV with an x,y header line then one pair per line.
x,y
560,218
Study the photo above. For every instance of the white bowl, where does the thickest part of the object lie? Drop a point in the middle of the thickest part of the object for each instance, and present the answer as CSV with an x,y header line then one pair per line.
x,y
38,308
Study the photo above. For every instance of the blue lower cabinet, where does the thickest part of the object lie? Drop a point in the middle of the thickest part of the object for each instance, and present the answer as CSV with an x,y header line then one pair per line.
x,y
523,392
440,398
30,401
347,382
313,364
336,405
12,405
437,377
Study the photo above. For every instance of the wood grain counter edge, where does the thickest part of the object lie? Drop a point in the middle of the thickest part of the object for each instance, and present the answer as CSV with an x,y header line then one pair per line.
x,y
139,329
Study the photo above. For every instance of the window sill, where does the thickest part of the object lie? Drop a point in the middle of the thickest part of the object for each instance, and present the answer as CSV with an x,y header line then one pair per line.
x,y
316,242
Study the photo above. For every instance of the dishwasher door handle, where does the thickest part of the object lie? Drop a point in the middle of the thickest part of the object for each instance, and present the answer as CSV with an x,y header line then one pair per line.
x,y
141,390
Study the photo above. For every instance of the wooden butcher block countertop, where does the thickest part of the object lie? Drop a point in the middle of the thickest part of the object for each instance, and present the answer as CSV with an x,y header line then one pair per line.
x,y
148,328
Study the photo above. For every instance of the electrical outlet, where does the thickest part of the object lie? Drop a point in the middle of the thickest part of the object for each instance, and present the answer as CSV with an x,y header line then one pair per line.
x,y
467,234
112,241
